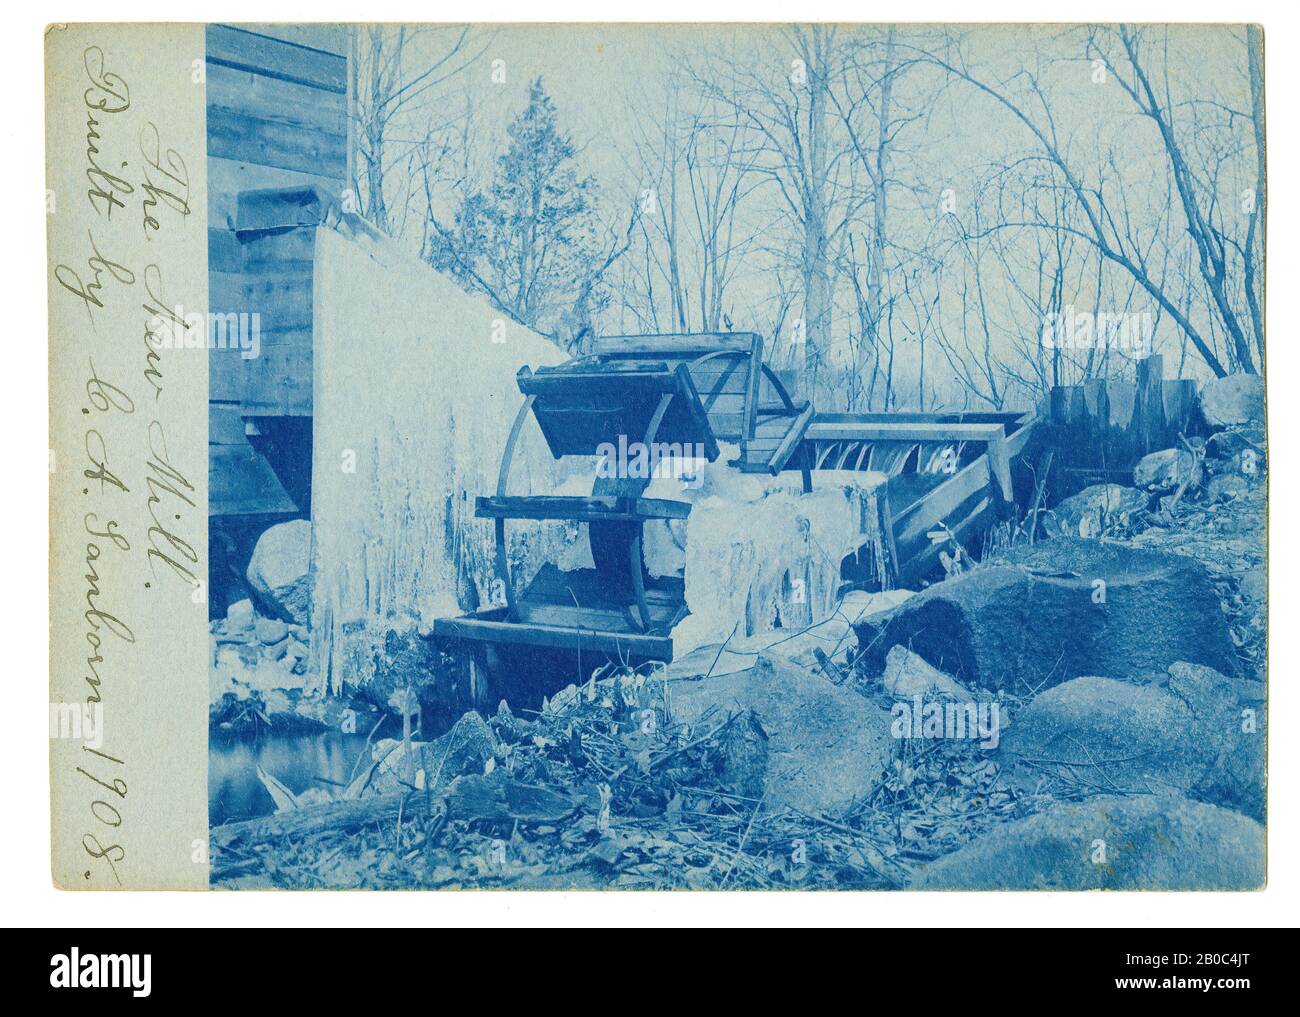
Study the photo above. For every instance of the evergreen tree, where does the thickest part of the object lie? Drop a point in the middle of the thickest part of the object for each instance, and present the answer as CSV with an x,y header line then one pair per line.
x,y
530,241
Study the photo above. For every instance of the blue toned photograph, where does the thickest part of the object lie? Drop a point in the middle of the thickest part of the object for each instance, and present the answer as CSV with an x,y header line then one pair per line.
x,y
736,457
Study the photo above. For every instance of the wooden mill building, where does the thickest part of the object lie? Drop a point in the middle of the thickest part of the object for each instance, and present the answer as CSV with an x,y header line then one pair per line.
x,y
277,117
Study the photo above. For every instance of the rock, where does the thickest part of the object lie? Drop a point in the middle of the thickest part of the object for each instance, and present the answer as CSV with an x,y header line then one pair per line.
x,y
221,682
277,703
239,617
506,725
907,675
826,745
465,749
715,660
1247,463
402,660
743,753
280,571
1100,733
1092,510
1182,734
247,668
1045,613
1232,720
1253,585
1236,399
831,637
270,630
229,662
1226,487
272,674
859,604
1166,470
295,652
1230,444
1146,842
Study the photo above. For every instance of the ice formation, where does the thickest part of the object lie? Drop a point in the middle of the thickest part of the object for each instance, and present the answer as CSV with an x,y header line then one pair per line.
x,y
761,555
399,454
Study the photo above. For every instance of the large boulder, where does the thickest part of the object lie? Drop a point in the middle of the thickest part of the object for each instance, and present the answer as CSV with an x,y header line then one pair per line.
x,y
1093,510
280,571
1166,470
1232,401
1145,842
1187,732
1242,450
1049,612
826,746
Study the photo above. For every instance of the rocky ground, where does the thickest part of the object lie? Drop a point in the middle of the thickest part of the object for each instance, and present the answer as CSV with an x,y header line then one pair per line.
x,y
1083,711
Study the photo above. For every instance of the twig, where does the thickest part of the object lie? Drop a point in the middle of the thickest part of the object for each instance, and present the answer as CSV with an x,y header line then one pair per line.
x,y
740,848
721,650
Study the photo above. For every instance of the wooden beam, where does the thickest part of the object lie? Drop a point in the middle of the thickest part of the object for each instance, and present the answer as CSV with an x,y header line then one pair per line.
x,y
832,430
922,418
925,558
781,410
580,509
753,389
674,343
553,381
488,630
790,441
1018,439
914,522
1000,467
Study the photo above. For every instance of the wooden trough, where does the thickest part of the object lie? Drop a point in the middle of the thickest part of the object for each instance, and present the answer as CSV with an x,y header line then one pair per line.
x,y
959,490
949,476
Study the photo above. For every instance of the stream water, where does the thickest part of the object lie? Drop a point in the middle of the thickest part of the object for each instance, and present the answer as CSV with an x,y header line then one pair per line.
x,y
301,761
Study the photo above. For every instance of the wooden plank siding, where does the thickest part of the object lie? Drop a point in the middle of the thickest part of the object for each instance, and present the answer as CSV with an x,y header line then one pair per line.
x,y
250,48
277,107
283,146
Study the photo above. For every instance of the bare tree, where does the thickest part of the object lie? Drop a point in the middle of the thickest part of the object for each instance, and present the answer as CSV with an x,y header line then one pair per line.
x,y
692,178
795,141
881,105
1102,216
398,75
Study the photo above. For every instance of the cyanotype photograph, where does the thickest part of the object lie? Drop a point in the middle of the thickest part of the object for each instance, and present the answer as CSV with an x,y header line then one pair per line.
x,y
662,457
